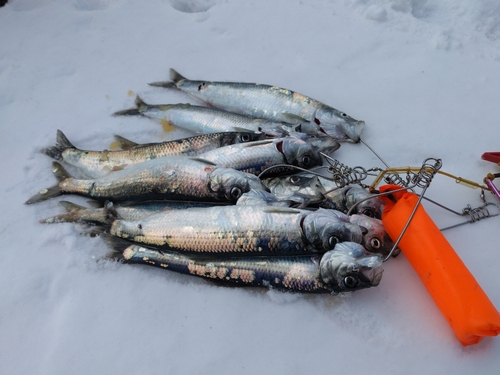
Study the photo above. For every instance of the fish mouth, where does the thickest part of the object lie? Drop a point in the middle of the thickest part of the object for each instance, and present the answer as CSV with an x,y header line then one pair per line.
x,y
353,130
375,275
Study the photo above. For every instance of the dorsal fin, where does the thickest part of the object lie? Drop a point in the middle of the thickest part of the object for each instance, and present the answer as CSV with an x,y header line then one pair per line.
x,y
175,76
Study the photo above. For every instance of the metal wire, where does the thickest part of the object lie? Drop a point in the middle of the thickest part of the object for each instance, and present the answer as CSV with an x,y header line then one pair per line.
x,y
343,175
422,179
396,179
475,214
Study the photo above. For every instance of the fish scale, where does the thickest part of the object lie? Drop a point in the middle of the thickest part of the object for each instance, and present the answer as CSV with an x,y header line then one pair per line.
x,y
297,274
348,267
172,177
240,230
237,229
100,163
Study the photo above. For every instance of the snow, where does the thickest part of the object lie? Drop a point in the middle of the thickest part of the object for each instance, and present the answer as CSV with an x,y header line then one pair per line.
x,y
424,75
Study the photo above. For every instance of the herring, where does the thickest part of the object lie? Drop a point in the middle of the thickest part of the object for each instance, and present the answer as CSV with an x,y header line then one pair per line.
x,y
240,230
172,177
269,102
346,268
205,120
100,163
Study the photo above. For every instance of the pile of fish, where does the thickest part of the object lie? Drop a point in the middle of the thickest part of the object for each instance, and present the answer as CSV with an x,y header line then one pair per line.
x,y
238,203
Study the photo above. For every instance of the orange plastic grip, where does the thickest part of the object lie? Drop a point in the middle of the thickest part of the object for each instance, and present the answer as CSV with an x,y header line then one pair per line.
x,y
457,294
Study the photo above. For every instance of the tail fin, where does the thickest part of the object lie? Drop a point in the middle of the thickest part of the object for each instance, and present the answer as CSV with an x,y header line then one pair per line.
x,y
45,194
78,214
62,143
71,216
118,246
61,174
139,106
175,79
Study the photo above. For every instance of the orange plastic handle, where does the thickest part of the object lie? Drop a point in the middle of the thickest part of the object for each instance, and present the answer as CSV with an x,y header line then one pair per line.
x,y
455,291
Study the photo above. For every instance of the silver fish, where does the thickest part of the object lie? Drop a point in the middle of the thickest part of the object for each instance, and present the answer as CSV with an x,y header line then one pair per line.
x,y
100,163
255,157
239,230
204,120
376,240
347,268
171,177
268,102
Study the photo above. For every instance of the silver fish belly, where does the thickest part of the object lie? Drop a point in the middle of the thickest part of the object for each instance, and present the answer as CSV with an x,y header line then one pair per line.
x,y
269,102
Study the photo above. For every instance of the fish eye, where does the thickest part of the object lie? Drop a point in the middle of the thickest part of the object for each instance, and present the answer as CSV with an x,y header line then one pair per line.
x,y
351,281
332,241
344,114
368,212
235,192
306,160
245,137
294,179
375,243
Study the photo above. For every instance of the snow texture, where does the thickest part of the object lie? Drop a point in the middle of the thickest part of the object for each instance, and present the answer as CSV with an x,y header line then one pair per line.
x,y
424,75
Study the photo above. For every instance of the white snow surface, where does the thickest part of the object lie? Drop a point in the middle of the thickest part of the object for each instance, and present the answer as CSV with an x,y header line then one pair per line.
x,y
424,75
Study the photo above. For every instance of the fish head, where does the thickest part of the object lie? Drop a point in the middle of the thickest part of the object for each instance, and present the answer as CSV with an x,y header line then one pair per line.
x,y
376,239
304,185
299,189
349,267
298,152
229,184
372,207
324,229
338,125
323,143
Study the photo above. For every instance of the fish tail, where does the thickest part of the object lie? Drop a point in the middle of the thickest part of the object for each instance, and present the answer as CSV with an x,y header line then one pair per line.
x,y
62,143
140,105
78,214
128,112
119,247
61,174
175,79
45,194
72,214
